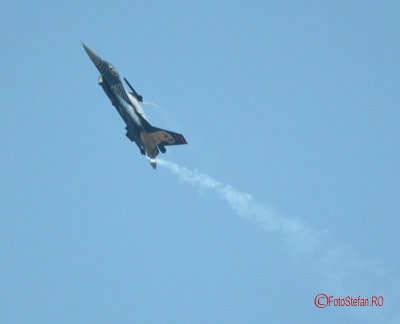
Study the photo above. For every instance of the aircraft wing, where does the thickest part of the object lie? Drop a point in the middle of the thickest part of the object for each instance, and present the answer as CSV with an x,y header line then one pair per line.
x,y
164,137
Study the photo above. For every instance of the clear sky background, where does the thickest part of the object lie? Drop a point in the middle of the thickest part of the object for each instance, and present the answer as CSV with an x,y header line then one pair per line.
x,y
295,103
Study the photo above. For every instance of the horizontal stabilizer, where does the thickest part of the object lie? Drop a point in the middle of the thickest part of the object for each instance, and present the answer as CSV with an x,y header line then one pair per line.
x,y
164,137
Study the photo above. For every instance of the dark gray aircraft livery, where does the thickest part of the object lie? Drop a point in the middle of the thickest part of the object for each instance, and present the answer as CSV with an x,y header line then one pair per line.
x,y
149,139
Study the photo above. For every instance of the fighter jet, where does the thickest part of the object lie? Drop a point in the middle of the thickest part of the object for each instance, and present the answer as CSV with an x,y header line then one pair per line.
x,y
150,140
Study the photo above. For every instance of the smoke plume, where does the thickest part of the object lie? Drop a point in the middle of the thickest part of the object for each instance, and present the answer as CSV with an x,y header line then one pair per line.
x,y
336,266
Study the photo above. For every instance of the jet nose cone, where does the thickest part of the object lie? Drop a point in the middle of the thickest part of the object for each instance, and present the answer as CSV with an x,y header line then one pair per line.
x,y
93,56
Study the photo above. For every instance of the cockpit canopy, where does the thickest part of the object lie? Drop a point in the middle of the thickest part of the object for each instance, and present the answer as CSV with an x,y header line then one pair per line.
x,y
113,70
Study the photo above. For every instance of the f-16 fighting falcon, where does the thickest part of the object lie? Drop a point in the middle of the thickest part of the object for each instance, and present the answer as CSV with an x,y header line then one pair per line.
x,y
149,139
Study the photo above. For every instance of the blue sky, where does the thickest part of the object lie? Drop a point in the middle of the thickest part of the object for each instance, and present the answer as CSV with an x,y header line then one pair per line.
x,y
295,104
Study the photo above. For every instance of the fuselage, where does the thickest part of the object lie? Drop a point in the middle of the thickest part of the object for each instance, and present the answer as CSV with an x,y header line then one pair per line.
x,y
124,102
150,140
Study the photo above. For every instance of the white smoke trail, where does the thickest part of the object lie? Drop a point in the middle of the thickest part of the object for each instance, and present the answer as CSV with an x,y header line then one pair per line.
x,y
300,235
334,264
